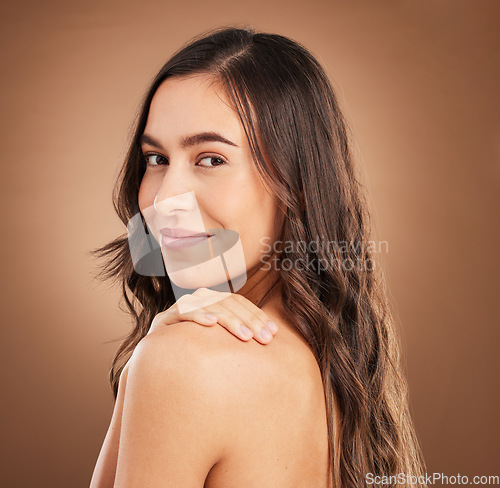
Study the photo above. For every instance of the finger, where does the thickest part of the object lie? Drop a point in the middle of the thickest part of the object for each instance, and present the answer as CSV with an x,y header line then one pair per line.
x,y
246,317
230,320
265,320
173,315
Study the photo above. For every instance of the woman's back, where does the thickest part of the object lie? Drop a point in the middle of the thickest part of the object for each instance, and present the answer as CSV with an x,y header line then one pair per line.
x,y
281,439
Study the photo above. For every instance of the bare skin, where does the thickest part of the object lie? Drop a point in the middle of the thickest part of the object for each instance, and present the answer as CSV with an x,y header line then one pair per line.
x,y
288,448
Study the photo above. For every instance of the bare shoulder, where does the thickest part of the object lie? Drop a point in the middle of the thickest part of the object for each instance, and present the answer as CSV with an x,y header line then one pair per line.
x,y
209,355
227,367
185,353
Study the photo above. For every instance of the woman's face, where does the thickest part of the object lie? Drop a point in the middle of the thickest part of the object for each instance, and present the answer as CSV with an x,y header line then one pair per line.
x,y
200,178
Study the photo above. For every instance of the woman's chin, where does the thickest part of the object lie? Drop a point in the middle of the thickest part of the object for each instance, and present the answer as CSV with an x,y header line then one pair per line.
x,y
206,277
190,281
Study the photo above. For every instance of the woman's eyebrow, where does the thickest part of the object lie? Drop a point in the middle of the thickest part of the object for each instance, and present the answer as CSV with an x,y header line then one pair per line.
x,y
189,140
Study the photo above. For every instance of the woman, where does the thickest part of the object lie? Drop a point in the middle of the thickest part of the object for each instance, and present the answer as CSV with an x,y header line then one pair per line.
x,y
240,171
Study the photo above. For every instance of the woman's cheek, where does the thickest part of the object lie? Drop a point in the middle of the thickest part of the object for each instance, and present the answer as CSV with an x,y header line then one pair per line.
x,y
145,197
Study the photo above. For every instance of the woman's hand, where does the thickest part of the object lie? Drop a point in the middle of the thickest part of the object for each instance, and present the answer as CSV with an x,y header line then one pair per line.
x,y
208,307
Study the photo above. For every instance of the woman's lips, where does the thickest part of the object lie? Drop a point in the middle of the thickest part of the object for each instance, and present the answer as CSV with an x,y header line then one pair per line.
x,y
181,242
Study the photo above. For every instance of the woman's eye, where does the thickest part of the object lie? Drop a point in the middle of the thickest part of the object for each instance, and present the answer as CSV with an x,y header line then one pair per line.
x,y
157,160
154,159
219,161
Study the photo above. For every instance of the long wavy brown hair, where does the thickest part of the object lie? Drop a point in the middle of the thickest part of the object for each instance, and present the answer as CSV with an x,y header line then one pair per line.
x,y
301,146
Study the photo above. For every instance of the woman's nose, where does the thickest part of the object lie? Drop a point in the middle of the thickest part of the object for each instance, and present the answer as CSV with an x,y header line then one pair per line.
x,y
176,191
169,204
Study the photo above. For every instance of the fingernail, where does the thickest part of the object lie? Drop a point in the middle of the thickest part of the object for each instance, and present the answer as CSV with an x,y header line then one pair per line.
x,y
247,333
272,326
265,334
210,316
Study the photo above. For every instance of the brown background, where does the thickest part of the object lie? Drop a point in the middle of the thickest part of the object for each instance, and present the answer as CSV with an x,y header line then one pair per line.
x,y
418,82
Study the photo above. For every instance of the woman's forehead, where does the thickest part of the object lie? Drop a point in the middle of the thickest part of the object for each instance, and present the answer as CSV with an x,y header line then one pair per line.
x,y
183,106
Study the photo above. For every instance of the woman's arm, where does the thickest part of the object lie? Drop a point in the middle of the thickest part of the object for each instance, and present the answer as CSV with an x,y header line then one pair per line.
x,y
104,471
173,423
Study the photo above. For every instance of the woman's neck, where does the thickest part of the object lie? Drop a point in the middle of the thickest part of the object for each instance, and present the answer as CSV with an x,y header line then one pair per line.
x,y
260,285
